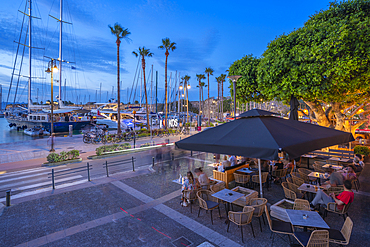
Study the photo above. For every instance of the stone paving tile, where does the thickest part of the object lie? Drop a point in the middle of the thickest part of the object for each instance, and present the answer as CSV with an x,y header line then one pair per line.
x,y
130,231
59,212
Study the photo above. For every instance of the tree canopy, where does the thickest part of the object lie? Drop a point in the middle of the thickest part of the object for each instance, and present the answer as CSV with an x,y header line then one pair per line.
x,y
325,63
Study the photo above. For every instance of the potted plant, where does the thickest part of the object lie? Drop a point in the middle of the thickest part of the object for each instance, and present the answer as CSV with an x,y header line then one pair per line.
x,y
364,151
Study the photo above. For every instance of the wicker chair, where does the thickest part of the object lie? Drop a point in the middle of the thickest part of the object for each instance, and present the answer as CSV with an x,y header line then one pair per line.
x,y
289,180
332,207
355,184
241,219
303,173
297,180
241,179
318,168
277,226
342,237
207,202
300,204
280,173
318,238
295,174
294,188
259,207
256,180
289,194
191,196
335,189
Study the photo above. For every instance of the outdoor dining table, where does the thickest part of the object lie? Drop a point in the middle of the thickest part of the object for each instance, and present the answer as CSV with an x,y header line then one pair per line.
x,y
306,219
228,196
308,159
311,189
339,160
319,175
335,167
246,170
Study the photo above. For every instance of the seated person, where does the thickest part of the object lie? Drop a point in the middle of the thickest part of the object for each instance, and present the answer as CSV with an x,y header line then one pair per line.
x,y
188,184
342,199
360,160
335,178
264,166
232,160
357,166
289,165
349,173
202,178
277,165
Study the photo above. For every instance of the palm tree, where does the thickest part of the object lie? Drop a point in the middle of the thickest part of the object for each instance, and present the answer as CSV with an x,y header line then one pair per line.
x,y
142,52
166,45
200,77
209,71
186,79
222,78
218,79
120,33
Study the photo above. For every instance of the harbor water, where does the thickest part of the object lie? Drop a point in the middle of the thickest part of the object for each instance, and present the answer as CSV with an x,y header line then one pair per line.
x,y
8,135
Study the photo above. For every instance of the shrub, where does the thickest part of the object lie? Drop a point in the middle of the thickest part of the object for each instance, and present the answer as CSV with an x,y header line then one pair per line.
x,y
365,151
74,153
52,158
145,145
63,156
109,148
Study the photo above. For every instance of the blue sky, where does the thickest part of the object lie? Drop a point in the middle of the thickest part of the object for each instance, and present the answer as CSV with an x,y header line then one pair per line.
x,y
208,34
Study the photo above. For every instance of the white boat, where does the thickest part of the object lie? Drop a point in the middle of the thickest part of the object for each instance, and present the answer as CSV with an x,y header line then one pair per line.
x,y
36,131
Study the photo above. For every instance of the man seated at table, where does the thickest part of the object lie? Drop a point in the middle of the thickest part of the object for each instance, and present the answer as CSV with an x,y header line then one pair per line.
x,y
335,179
232,160
342,199
225,163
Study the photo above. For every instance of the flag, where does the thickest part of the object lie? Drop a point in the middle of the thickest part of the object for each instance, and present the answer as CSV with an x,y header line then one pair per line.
x,y
73,67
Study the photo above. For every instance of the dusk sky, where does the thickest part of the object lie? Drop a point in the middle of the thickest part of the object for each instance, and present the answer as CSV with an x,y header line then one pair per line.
x,y
207,34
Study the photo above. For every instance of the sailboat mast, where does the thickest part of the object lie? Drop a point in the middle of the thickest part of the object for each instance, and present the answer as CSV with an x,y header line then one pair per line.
x,y
60,52
29,53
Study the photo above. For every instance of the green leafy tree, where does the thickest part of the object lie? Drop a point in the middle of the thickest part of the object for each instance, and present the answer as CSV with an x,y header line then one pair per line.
x,y
222,79
120,33
142,52
209,71
168,46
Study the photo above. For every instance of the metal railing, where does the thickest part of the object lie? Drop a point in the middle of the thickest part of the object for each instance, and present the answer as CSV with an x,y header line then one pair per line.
x,y
54,174
106,165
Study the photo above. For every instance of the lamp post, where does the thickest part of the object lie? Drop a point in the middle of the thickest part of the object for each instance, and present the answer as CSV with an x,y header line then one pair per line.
x,y
134,112
52,68
234,78
179,107
187,102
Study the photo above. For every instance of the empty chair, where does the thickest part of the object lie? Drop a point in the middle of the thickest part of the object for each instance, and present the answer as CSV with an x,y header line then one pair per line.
x,y
256,180
297,180
207,202
289,180
190,195
241,179
289,194
303,173
342,237
294,188
259,207
279,227
301,204
318,168
241,219
279,174
317,238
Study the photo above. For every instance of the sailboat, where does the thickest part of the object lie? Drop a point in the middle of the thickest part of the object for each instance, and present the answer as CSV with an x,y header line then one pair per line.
x,y
35,116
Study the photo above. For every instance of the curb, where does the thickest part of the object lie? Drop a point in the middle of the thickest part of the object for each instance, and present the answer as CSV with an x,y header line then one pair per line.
x,y
62,162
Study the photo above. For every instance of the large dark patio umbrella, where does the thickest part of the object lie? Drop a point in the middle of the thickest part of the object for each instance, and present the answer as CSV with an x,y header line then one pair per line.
x,y
294,105
262,137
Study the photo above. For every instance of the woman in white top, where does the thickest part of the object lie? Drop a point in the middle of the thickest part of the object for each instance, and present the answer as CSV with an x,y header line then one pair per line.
x,y
202,178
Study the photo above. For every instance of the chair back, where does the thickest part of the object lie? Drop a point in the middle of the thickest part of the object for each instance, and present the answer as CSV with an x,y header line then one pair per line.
x,y
240,178
259,206
347,229
318,168
297,180
242,218
300,204
295,174
319,238
217,187
289,180
203,196
336,189
264,176
289,194
345,208
190,194
268,218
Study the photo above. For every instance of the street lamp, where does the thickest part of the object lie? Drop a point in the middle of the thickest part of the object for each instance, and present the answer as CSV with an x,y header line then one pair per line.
x,y
52,68
187,102
234,78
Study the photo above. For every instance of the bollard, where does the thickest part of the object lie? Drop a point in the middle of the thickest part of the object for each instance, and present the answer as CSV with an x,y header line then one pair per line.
x,y
153,161
70,130
88,172
173,156
133,164
52,178
106,168
8,198
191,153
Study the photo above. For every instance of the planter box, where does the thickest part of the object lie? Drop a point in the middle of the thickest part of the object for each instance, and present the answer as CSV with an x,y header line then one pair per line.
x,y
62,162
249,194
278,209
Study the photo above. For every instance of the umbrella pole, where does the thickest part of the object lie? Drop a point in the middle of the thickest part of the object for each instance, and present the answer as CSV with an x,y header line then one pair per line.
x,y
260,177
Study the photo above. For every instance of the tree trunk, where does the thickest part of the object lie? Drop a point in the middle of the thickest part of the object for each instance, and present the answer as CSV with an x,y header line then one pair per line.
x,y
165,89
200,98
209,108
222,99
146,96
118,42
320,115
